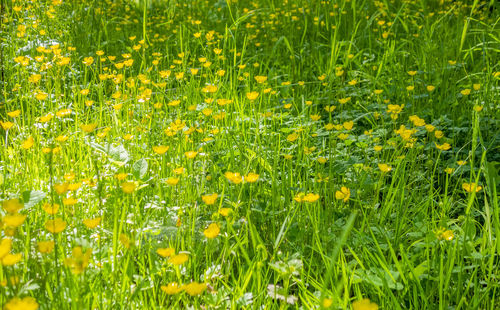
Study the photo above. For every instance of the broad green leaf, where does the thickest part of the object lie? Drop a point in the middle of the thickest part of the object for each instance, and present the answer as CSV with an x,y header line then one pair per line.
x,y
140,168
31,198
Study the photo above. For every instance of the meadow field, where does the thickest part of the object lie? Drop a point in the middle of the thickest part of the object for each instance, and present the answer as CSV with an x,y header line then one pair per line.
x,y
237,154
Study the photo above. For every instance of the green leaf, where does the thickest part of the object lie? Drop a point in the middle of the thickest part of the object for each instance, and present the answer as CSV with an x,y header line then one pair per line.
x,y
421,269
31,198
118,154
140,168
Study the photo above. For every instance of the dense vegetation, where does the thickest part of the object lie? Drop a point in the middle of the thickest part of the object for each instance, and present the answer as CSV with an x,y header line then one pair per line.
x,y
242,154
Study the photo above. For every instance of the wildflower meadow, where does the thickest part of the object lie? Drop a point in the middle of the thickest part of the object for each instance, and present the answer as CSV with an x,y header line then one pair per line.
x,y
249,154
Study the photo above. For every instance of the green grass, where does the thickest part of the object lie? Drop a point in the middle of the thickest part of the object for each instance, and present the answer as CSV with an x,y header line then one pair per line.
x,y
371,128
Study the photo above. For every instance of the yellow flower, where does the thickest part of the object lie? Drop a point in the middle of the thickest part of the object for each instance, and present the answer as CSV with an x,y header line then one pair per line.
x,y
209,199
171,288
35,78
161,149
45,118
309,150
61,188
69,201
343,136
121,176
88,61
465,92
172,181
327,302
344,100
79,261
322,160
6,125
174,103
471,187
260,79
315,117
125,241
178,259
446,235
14,220
88,128
207,111
63,113
40,95
251,177
343,194
234,177
430,88
11,259
438,134
443,147
195,288
417,121
12,205
28,143
165,252
348,125
225,211
252,95
61,138
92,223
330,108
26,303
299,197
190,154
364,304
128,187
209,89
430,128
478,108
5,246
212,231
310,197
56,225
179,75
128,137
384,167
45,247
292,137
74,186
